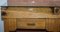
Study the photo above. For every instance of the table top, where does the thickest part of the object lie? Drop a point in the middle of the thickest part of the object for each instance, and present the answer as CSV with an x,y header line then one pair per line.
x,y
33,2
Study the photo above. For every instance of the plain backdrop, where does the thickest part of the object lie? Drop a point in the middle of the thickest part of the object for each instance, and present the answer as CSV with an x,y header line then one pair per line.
x,y
2,3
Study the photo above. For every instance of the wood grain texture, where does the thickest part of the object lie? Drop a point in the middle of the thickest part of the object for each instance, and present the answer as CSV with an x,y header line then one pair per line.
x,y
39,23
40,17
9,24
6,25
24,12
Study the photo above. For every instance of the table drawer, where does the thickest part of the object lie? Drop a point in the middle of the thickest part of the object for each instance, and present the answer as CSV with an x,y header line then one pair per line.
x,y
31,23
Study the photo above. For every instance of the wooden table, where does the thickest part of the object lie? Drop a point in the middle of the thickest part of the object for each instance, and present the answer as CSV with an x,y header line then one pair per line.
x,y
39,18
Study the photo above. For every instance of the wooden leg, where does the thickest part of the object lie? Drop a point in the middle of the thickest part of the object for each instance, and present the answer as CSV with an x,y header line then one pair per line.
x,y
10,24
6,25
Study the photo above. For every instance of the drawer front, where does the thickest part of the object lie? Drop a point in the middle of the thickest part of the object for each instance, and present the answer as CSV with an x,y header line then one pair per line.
x,y
33,3
31,23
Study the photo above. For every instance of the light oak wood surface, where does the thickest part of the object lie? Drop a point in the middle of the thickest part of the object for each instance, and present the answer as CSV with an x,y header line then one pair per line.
x,y
42,18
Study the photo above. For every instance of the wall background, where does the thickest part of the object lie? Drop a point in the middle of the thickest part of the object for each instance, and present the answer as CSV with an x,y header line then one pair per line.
x,y
2,3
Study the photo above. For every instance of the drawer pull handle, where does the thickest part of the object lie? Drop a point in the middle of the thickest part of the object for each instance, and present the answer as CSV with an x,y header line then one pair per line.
x,y
31,24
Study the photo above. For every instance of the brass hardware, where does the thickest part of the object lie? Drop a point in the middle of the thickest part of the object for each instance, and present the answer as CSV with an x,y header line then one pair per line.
x,y
55,10
31,24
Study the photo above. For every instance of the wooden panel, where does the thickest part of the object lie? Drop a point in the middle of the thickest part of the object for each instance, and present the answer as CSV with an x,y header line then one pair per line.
x,y
31,23
10,24
12,12
6,25
34,2
53,24
57,24
50,24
